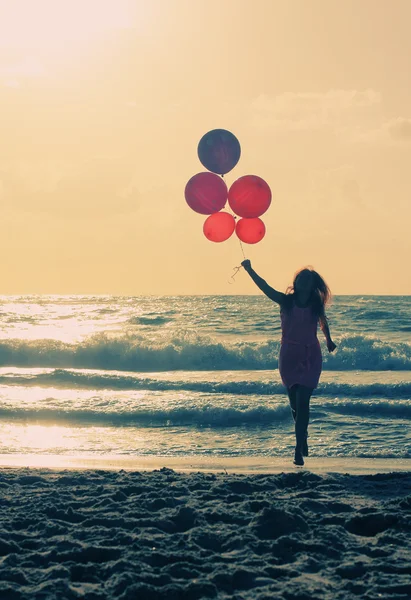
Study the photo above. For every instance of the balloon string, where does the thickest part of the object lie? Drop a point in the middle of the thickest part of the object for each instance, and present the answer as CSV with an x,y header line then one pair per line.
x,y
236,269
241,244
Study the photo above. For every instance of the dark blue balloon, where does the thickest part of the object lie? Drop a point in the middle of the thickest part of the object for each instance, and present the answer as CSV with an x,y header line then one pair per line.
x,y
219,151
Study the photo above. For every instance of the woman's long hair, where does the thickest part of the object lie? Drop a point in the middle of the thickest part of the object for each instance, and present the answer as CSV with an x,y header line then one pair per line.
x,y
320,294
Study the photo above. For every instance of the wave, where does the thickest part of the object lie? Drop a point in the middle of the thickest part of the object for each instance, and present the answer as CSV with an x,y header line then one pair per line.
x,y
374,315
360,352
149,320
192,416
399,410
207,416
191,352
61,378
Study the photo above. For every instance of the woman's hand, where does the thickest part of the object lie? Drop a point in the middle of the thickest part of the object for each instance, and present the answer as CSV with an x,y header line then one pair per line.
x,y
331,346
246,264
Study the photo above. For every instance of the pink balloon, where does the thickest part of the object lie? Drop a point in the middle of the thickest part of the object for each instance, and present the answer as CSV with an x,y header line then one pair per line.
x,y
249,196
206,193
250,231
219,227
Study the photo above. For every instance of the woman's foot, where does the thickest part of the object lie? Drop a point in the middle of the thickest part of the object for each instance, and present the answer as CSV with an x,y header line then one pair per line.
x,y
305,446
298,458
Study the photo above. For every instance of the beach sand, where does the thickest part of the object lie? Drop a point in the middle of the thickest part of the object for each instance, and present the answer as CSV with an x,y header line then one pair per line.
x,y
69,533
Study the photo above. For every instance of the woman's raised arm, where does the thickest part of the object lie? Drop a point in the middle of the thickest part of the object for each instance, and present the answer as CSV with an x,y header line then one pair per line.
x,y
270,292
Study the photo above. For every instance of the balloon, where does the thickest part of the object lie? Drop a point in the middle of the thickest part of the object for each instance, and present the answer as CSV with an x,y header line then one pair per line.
x,y
249,196
206,193
219,227
219,151
250,231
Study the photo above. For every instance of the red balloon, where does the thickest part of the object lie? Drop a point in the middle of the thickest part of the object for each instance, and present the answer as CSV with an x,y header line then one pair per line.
x,y
249,196
219,227
206,193
250,231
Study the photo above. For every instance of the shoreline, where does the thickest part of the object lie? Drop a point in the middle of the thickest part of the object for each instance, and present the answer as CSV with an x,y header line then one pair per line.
x,y
190,464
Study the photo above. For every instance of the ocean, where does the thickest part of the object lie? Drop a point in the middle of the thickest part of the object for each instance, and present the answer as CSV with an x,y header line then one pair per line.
x,y
196,376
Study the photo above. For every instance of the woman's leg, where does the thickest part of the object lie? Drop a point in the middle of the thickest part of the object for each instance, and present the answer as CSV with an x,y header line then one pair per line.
x,y
303,395
292,396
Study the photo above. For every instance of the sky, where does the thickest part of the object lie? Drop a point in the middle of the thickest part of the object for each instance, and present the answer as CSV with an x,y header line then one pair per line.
x,y
102,106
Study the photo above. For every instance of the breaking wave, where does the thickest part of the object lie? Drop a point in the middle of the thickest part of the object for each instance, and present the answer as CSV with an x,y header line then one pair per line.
x,y
194,353
72,379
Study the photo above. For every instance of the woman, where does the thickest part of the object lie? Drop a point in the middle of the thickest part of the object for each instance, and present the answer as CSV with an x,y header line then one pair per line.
x,y
300,360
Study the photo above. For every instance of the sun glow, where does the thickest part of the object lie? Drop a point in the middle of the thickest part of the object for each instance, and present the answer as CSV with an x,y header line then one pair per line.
x,y
56,25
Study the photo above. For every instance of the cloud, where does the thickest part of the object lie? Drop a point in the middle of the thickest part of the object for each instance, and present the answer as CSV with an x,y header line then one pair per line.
x,y
392,132
351,116
311,110
99,187
399,129
27,68
336,188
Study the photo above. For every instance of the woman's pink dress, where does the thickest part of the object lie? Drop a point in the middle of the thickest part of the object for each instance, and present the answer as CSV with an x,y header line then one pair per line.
x,y
300,358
